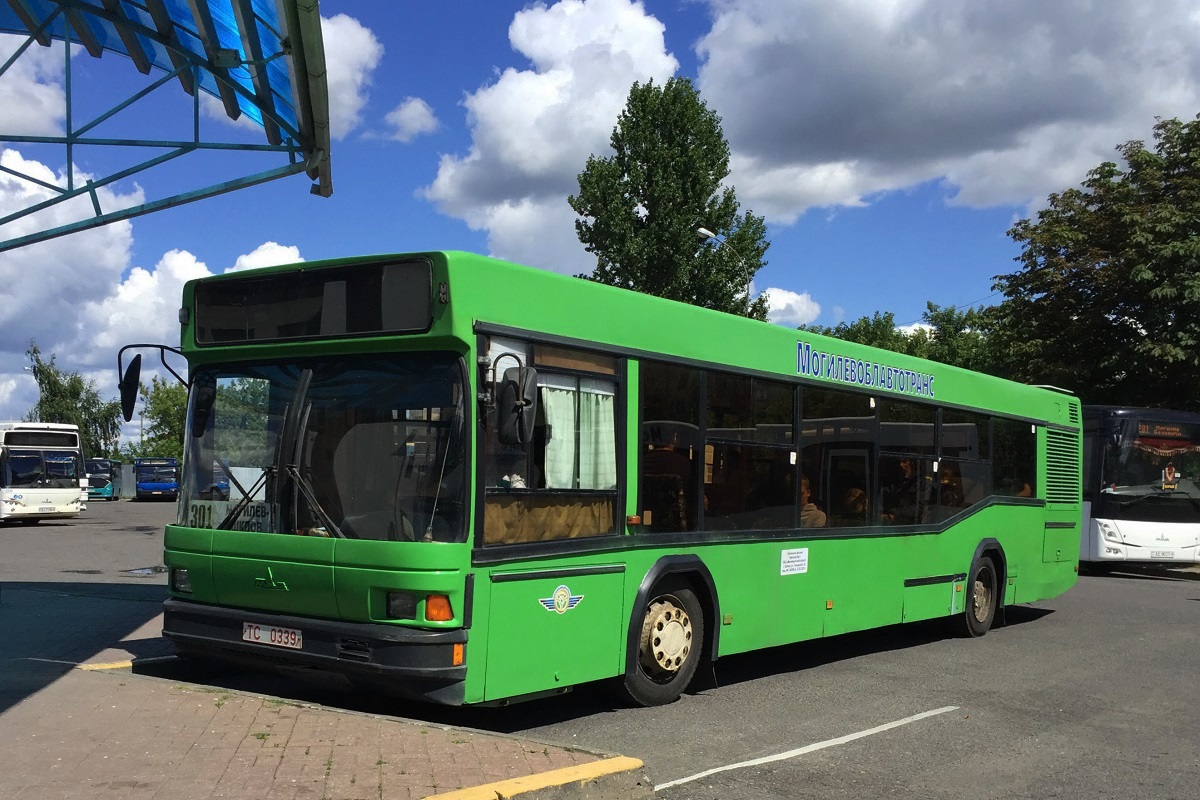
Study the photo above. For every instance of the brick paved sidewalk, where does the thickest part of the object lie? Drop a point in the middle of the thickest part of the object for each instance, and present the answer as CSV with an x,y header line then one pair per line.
x,y
76,722
110,734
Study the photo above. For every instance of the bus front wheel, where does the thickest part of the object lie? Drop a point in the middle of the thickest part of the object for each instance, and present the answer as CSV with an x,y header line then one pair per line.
x,y
670,646
981,600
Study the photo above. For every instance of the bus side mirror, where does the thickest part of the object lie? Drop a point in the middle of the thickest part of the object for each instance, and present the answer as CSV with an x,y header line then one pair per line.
x,y
128,386
516,405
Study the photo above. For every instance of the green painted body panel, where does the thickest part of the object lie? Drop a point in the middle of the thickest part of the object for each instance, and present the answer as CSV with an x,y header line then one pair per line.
x,y
764,598
537,648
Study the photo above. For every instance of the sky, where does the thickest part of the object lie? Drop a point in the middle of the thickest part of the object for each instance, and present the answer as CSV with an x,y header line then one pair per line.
x,y
889,144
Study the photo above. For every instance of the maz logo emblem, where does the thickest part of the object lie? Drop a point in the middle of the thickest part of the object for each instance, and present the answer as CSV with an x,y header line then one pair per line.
x,y
270,583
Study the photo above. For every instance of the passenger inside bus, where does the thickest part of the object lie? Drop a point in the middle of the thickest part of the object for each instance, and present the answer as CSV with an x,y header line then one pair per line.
x,y
810,515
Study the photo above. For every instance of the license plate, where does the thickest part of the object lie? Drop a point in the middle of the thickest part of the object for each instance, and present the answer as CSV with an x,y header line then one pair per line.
x,y
46,509
272,635
1162,553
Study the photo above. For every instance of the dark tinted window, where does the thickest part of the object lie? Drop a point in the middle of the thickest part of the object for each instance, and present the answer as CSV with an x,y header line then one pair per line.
x,y
305,304
906,427
670,447
41,439
1015,459
745,408
837,458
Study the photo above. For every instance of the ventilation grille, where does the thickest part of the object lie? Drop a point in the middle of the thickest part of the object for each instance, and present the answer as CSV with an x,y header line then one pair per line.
x,y
1062,466
1073,412
354,650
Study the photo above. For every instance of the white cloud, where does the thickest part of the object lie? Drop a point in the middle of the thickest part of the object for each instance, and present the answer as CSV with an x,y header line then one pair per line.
x,y
790,309
46,283
267,254
826,103
68,294
412,118
533,129
32,100
352,52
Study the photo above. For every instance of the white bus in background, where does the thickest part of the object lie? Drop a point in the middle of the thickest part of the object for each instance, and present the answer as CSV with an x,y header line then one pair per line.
x,y
41,472
1141,470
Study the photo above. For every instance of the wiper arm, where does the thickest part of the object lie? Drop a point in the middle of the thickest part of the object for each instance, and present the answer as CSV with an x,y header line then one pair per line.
x,y
311,498
241,505
233,480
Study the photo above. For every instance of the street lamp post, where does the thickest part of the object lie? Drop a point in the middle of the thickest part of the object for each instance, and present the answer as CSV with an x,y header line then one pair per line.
x,y
706,235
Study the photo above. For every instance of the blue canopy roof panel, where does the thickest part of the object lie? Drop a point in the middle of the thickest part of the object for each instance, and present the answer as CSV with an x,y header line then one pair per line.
x,y
263,59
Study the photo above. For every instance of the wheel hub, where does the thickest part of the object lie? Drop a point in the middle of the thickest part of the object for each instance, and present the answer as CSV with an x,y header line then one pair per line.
x,y
666,637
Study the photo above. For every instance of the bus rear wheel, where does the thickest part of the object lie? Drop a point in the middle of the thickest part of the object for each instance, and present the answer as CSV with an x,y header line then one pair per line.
x,y
980,611
670,646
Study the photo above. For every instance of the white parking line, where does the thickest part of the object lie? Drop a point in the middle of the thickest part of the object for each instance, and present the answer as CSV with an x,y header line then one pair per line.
x,y
807,748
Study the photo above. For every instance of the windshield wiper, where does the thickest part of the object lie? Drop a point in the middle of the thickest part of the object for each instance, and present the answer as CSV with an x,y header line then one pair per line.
x,y
229,474
241,505
311,498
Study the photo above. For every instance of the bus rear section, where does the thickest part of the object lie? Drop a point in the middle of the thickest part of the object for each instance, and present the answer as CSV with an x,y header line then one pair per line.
x,y
1141,479
41,472
156,478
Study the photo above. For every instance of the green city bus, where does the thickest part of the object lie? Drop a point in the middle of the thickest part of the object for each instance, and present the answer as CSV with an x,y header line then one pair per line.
x,y
467,481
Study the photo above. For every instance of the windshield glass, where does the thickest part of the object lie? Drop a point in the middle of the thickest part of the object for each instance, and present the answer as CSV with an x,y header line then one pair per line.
x,y
45,469
366,448
1148,457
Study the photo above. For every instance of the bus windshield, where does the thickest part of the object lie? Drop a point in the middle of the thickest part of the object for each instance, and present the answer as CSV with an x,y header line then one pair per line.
x,y
1145,458
366,448
44,469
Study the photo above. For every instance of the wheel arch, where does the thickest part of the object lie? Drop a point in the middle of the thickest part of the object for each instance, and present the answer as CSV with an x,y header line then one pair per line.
x,y
692,569
991,547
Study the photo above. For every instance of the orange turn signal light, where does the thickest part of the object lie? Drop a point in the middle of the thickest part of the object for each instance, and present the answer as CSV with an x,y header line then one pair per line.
x,y
437,608
458,655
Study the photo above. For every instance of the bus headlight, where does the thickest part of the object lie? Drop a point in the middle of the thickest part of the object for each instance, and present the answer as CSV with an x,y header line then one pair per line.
x,y
401,605
180,582
1110,532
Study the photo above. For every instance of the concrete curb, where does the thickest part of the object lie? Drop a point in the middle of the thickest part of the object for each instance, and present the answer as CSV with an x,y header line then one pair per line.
x,y
616,778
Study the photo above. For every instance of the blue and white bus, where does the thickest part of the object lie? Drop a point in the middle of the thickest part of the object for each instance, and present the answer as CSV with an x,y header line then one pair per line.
x,y
156,478
104,479
1141,501
41,472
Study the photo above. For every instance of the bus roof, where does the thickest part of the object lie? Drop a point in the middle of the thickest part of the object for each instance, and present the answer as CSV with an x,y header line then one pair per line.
x,y
473,294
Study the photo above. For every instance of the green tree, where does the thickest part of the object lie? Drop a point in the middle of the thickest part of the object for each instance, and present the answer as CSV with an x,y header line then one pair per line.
x,y
1107,300
951,336
640,208
164,406
66,397
878,330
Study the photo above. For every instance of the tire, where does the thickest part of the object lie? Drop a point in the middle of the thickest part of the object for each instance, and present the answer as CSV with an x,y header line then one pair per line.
x,y
670,646
981,601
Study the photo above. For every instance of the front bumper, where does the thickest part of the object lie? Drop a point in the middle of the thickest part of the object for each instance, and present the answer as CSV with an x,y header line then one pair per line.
x,y
400,661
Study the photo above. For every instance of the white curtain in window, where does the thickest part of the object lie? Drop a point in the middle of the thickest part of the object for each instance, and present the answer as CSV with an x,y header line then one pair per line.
x,y
597,435
592,463
558,408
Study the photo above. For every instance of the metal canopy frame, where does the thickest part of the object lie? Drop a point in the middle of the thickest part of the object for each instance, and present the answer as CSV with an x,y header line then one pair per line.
x,y
264,59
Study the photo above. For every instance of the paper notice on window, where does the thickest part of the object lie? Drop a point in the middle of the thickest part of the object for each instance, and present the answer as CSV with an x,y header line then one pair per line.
x,y
793,562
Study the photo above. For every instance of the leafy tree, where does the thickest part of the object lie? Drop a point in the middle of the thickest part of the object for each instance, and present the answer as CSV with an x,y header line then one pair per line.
x,y
164,405
960,338
66,397
1107,300
878,330
641,207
